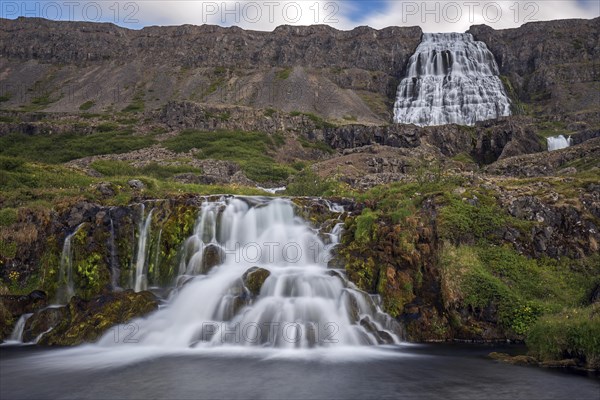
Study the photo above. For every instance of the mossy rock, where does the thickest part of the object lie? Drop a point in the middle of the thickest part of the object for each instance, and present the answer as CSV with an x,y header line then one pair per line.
x,y
6,321
254,279
88,320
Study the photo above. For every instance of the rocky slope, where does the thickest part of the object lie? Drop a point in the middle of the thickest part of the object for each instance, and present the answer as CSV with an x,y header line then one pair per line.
x,y
59,66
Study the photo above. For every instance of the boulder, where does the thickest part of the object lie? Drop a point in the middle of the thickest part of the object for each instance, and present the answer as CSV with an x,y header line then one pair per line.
x,y
136,184
254,279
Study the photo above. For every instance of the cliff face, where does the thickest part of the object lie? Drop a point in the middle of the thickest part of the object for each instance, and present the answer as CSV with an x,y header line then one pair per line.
x,y
551,65
61,65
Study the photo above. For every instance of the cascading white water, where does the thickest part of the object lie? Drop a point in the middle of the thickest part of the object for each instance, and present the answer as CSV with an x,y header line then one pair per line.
x,y
17,333
66,288
301,303
559,142
141,273
451,79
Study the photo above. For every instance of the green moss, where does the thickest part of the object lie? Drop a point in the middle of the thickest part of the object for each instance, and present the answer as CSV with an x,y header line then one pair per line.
x,y
89,272
365,224
8,216
460,219
8,249
284,74
87,105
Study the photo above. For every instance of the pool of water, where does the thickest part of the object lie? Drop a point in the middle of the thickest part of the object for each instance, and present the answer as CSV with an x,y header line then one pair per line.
x,y
405,371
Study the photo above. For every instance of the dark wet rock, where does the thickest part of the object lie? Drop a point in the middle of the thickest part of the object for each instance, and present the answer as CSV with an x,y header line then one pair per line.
x,y
212,256
12,307
254,279
42,321
19,305
86,320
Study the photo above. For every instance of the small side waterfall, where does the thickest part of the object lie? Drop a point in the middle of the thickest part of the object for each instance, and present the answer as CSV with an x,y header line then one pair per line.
x,y
253,273
451,79
17,333
66,288
141,267
559,142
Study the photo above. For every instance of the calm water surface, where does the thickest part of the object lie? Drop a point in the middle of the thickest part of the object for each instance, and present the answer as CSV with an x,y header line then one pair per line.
x,y
401,372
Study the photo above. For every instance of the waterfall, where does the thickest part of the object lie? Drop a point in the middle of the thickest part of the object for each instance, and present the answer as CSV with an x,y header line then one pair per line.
x,y
451,79
559,142
17,333
66,288
141,273
253,273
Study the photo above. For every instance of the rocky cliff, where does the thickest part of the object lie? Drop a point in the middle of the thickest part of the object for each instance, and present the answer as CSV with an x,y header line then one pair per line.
x,y
552,66
338,74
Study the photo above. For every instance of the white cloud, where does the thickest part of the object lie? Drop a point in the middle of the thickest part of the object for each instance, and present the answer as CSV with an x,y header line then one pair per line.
x,y
458,16
432,16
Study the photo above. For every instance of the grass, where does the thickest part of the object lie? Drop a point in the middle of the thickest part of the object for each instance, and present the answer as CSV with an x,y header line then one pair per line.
x,y
521,288
249,149
319,122
59,148
318,145
137,104
284,74
307,183
44,185
87,105
154,170
8,216
571,333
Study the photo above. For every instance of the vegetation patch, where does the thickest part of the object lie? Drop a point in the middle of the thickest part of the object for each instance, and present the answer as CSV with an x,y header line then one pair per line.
x,y
60,148
284,74
573,333
87,105
251,150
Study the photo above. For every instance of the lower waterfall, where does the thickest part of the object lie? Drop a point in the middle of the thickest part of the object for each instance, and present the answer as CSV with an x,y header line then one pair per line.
x,y
558,142
255,274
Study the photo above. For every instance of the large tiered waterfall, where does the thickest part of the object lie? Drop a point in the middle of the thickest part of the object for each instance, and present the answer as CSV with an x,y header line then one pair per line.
x,y
255,274
451,79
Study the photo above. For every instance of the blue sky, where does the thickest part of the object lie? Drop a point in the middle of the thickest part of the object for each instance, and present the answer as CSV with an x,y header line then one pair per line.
x,y
432,16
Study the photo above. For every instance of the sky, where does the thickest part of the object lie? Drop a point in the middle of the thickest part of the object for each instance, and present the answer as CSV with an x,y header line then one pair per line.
x,y
432,16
